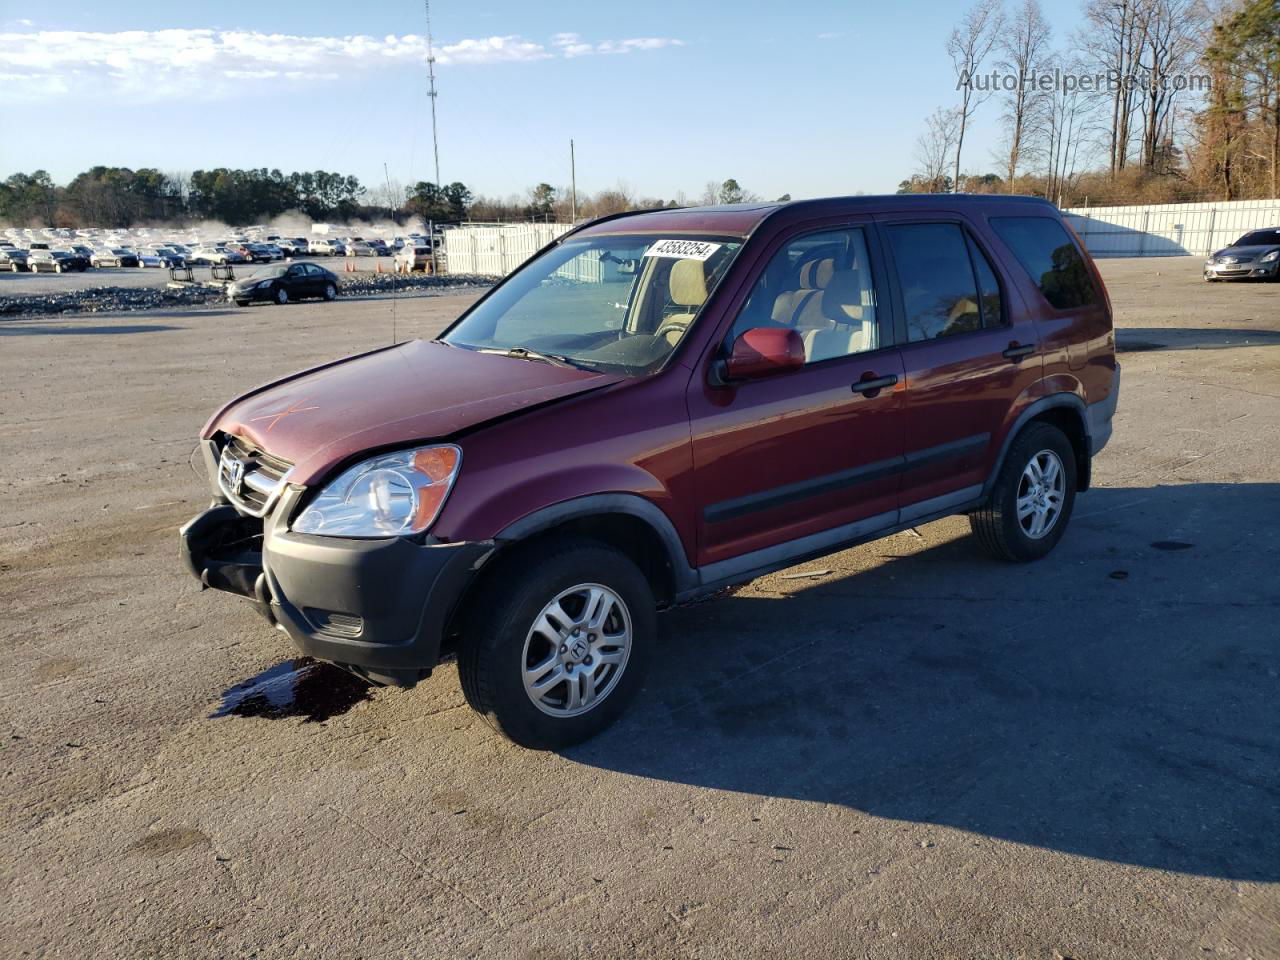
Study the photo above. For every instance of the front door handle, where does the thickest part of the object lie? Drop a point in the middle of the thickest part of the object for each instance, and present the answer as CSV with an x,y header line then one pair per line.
x,y
1017,351
872,385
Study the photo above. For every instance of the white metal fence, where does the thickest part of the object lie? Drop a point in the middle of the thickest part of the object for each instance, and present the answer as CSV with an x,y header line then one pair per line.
x,y
1169,230
496,250
1155,230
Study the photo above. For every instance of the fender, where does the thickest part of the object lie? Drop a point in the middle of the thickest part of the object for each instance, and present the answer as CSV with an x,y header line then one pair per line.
x,y
1037,407
595,504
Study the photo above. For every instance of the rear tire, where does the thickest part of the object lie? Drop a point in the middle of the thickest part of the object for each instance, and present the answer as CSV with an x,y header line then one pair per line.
x,y
330,291
578,594
1033,496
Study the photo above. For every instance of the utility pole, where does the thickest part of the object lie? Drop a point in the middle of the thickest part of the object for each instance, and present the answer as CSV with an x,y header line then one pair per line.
x,y
435,141
431,91
573,186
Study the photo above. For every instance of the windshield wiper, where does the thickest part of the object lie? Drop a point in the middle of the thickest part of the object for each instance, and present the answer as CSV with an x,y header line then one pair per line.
x,y
524,353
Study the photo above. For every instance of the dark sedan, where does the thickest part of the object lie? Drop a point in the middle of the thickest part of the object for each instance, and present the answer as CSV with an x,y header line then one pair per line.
x,y
281,283
114,257
68,260
1256,255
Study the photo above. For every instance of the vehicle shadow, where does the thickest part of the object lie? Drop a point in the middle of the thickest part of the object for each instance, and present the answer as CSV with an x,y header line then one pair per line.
x,y
1138,339
1116,700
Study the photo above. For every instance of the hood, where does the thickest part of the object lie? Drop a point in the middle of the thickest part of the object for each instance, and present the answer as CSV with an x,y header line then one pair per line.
x,y
400,395
1246,252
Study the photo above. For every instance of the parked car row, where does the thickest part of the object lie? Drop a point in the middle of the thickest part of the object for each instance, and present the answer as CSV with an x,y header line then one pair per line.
x,y
58,254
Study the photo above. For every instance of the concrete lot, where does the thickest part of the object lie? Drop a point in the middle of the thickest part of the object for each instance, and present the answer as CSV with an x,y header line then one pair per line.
x,y
912,752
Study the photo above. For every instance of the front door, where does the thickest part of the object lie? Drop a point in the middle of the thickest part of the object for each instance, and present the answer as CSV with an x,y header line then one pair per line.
x,y
811,455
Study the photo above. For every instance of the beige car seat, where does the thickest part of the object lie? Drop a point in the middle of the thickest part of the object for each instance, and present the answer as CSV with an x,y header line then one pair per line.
x,y
802,308
688,283
851,326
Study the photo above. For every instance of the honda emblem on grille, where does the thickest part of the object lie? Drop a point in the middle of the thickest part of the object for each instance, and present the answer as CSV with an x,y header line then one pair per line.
x,y
235,476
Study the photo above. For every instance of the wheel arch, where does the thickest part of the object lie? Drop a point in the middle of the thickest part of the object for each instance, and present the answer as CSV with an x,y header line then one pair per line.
x,y
1066,411
628,522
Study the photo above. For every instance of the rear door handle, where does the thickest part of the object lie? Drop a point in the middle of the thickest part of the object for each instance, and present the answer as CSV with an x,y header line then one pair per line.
x,y
1016,352
871,386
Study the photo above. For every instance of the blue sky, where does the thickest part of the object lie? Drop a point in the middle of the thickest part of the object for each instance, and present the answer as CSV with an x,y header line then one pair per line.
x,y
811,97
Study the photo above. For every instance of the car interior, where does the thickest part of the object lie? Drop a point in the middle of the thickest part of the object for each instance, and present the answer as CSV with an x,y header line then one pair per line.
x,y
821,291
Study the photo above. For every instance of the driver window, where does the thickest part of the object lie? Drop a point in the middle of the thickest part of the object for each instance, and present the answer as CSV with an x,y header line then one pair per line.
x,y
821,286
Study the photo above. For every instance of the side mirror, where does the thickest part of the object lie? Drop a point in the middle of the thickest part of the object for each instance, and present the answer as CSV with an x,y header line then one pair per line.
x,y
763,351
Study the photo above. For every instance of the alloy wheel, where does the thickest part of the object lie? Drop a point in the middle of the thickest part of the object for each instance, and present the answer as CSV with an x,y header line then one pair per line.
x,y
1041,493
576,650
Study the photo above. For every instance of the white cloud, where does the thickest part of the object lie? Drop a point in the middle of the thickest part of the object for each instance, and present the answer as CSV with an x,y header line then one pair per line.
x,y
830,35
572,44
207,63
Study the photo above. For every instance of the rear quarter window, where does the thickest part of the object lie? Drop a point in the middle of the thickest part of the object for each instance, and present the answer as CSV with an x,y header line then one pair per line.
x,y
1049,256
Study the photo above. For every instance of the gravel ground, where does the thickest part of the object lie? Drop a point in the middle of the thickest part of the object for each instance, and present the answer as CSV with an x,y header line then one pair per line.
x,y
901,751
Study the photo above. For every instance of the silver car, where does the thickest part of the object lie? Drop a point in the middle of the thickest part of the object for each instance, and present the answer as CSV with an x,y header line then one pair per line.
x,y
1256,256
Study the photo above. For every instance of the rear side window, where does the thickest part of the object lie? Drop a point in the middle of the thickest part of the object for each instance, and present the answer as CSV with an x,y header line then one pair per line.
x,y
939,286
1046,252
988,287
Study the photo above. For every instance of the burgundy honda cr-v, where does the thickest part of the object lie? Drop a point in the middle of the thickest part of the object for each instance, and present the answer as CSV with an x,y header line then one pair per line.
x,y
655,406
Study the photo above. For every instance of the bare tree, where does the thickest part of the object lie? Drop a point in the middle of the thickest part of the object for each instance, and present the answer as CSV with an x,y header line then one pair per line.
x,y
935,147
968,46
1174,29
1071,129
1115,32
1023,47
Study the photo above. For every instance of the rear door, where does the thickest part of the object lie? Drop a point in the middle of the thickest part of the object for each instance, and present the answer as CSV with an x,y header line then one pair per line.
x,y
815,451
970,350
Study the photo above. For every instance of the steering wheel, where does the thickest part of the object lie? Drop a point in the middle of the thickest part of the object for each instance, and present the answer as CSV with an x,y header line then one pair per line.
x,y
672,326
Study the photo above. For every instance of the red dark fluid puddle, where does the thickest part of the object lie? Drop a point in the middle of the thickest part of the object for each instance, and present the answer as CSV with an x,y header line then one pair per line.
x,y
295,688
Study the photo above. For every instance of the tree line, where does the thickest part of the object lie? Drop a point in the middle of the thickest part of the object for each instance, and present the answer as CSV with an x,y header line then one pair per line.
x,y
1148,101
122,197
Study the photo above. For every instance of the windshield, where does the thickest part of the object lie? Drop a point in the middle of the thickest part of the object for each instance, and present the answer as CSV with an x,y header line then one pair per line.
x,y
266,273
602,302
1258,238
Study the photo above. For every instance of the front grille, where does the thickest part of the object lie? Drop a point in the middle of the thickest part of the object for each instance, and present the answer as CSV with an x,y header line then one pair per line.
x,y
250,478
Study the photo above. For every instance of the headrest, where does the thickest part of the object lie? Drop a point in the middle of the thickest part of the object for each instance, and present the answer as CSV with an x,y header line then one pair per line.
x,y
816,274
688,283
842,298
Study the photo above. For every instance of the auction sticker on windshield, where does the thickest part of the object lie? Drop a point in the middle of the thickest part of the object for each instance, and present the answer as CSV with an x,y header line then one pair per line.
x,y
684,249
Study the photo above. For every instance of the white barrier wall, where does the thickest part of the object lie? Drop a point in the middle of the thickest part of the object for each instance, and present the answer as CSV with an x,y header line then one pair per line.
x,y
496,249
1156,230
1169,230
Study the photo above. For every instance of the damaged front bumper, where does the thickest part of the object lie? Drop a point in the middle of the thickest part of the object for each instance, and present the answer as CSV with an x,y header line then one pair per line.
x,y
378,607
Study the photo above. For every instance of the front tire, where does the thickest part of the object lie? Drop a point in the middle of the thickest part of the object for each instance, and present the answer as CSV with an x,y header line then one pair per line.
x,y
1033,496
554,655
282,296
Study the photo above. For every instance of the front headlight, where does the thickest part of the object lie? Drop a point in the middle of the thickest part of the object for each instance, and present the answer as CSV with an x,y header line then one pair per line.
x,y
1273,255
393,495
